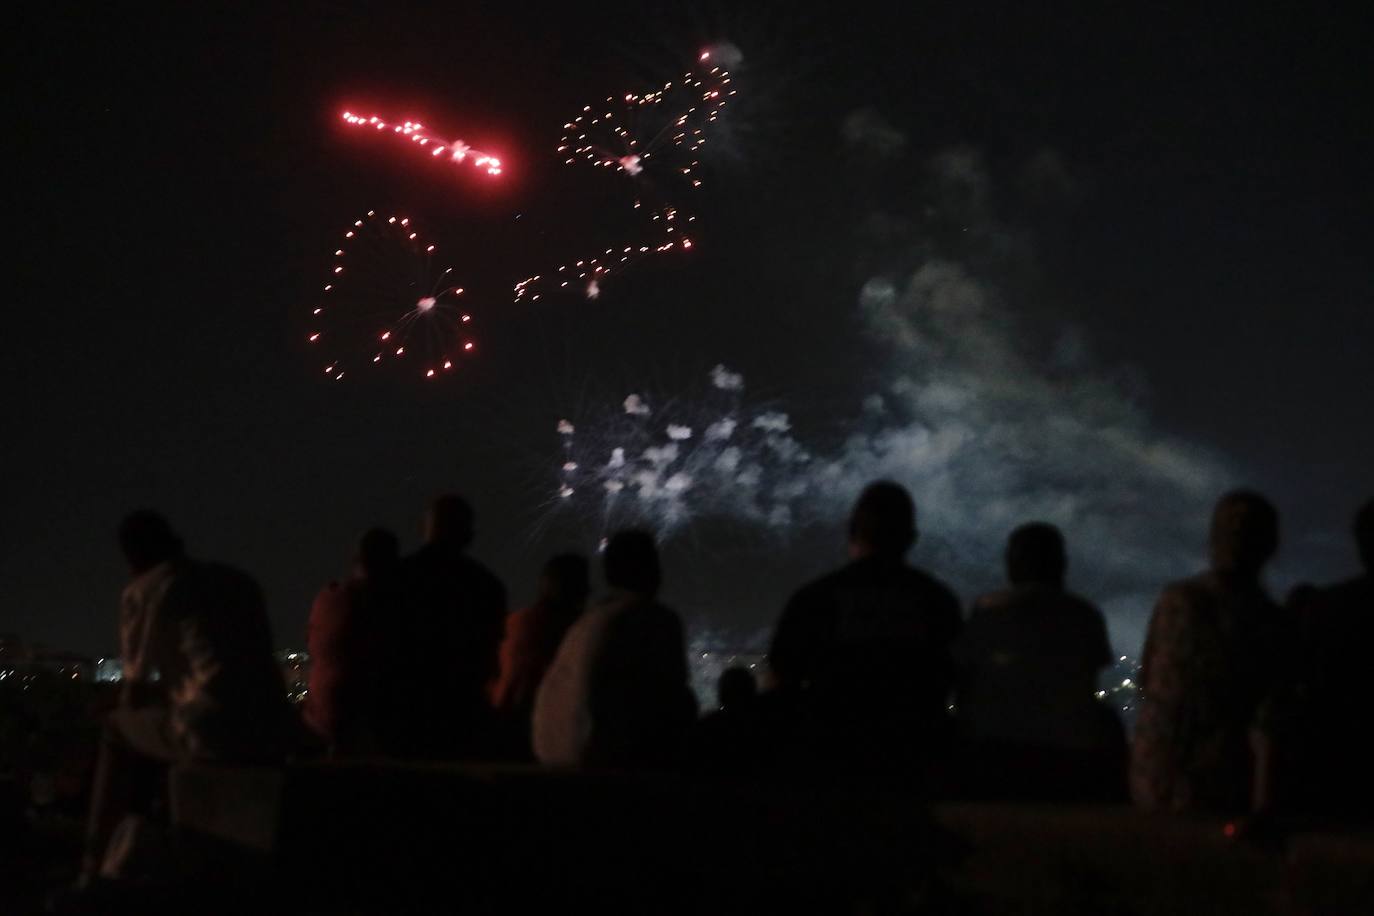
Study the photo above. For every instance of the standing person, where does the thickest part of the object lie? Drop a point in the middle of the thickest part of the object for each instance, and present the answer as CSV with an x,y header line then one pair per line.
x,y
1207,669
1335,626
341,640
441,646
1029,660
617,693
200,680
866,649
534,634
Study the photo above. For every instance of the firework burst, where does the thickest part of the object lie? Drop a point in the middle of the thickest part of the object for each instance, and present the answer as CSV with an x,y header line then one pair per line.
x,y
455,151
387,302
661,467
652,139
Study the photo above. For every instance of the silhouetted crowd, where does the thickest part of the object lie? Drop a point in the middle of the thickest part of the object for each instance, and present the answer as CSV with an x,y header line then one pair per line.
x,y
876,677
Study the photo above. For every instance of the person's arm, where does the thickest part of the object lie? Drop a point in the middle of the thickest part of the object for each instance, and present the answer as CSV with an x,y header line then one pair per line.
x,y
1154,656
499,688
495,632
137,619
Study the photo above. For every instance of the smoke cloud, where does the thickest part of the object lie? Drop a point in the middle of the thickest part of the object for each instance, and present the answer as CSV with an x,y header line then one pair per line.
x,y
990,423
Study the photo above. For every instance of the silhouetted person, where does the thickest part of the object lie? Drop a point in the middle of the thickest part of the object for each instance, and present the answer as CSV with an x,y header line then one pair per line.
x,y
1324,773
201,629
731,740
1208,666
534,633
617,692
441,647
341,637
1029,661
867,647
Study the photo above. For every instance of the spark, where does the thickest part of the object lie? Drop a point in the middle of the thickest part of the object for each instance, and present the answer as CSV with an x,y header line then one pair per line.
x,y
654,139
457,151
392,293
663,466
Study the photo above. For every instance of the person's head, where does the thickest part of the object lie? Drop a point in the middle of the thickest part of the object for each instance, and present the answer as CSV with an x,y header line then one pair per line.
x,y
1245,533
735,688
378,552
631,562
1035,555
147,540
883,523
565,579
449,521
1364,535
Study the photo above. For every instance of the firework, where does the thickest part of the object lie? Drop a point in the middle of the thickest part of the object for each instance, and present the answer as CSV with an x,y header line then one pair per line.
x,y
661,467
387,302
455,151
652,139
587,276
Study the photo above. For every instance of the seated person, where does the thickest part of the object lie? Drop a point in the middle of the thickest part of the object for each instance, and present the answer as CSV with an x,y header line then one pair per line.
x,y
1029,660
200,680
864,652
1208,671
617,693
341,638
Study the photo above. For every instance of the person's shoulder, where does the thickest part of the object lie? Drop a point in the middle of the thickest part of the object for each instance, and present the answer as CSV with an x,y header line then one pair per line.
x,y
1197,587
525,623
828,581
664,614
590,627
820,591
1077,605
855,573
478,571
931,587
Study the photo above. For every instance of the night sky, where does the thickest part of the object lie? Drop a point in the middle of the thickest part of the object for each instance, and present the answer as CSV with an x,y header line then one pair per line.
x,y
1171,211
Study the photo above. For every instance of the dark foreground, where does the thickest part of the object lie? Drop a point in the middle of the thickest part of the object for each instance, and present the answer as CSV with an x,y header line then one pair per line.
x,y
377,837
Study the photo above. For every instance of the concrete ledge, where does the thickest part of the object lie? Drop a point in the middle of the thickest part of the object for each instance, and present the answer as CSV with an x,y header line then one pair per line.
x,y
382,836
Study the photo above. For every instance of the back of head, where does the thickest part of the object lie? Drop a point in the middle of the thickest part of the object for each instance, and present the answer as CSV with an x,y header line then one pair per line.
x,y
378,552
1245,533
1364,535
565,579
147,539
735,688
449,521
1035,555
883,522
631,562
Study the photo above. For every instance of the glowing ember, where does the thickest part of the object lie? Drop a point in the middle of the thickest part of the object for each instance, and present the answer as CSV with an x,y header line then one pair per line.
x,y
456,150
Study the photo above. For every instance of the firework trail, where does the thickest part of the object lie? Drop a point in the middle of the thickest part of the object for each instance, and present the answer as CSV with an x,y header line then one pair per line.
x,y
587,275
663,467
455,151
652,139
387,302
